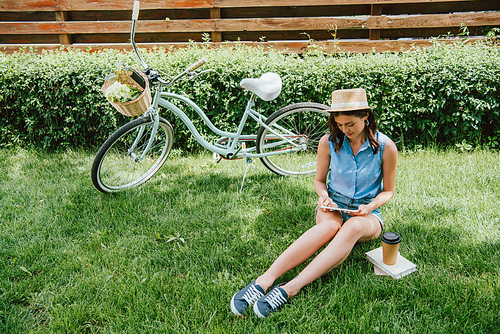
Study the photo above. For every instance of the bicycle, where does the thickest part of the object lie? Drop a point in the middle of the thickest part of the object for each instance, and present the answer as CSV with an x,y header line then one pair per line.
x,y
286,142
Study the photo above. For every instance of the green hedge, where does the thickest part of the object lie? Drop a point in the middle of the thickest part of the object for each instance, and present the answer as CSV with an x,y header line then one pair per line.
x,y
445,95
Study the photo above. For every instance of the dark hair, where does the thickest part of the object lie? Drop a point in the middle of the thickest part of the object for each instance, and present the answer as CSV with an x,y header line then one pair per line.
x,y
337,136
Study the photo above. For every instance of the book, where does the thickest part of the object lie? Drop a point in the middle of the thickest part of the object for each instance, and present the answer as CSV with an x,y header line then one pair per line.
x,y
402,267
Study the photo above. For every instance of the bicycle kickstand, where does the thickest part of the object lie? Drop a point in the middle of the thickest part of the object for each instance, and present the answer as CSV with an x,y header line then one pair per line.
x,y
248,161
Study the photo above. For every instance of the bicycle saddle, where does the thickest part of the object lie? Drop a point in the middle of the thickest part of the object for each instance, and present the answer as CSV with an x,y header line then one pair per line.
x,y
267,87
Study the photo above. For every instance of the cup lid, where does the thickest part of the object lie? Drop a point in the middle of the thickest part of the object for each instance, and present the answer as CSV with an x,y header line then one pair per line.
x,y
391,238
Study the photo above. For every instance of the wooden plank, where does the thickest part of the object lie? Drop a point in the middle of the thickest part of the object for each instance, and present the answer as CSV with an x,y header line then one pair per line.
x,y
281,24
215,13
284,3
141,38
268,24
29,39
442,7
64,39
353,46
83,5
313,11
434,20
105,27
376,10
360,22
174,26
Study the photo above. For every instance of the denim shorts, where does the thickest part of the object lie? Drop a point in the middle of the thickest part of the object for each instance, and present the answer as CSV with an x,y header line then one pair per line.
x,y
349,203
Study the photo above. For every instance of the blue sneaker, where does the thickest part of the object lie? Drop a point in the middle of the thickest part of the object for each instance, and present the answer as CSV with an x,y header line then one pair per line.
x,y
245,298
270,302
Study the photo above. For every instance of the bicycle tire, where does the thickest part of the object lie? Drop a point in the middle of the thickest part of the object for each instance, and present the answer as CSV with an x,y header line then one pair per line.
x,y
115,168
306,122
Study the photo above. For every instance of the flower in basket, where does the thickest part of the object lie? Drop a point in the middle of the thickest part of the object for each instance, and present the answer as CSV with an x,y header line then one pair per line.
x,y
122,90
121,93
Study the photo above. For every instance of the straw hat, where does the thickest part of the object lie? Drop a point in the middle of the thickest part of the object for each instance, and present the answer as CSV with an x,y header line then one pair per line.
x,y
349,100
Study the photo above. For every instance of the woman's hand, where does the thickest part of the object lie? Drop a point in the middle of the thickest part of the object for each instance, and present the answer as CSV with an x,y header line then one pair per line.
x,y
326,201
363,210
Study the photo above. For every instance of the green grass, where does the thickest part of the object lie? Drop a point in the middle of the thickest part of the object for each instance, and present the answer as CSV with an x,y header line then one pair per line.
x,y
73,260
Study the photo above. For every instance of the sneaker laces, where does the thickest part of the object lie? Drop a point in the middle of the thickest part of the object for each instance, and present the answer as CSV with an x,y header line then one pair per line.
x,y
275,299
251,295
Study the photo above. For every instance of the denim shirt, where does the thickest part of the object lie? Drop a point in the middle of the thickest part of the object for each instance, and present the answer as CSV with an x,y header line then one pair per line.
x,y
357,176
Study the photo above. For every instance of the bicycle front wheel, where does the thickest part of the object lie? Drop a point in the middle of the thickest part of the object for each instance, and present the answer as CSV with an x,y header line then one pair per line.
x,y
121,163
297,124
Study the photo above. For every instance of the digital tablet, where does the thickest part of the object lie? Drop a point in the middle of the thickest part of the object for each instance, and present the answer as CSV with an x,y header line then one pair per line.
x,y
337,209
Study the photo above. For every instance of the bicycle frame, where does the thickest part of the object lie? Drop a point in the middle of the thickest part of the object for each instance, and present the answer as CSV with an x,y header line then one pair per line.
x,y
231,149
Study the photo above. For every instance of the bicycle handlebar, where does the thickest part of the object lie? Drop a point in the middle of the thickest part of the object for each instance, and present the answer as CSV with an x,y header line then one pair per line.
x,y
135,11
194,66
155,76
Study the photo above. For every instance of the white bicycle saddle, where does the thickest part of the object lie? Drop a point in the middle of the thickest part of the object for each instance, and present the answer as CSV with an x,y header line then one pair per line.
x,y
267,87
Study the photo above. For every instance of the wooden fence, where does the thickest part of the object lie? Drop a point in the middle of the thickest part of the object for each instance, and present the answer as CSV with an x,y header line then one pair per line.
x,y
337,25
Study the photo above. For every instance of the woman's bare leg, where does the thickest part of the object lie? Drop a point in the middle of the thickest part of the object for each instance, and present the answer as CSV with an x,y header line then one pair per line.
x,y
327,226
356,229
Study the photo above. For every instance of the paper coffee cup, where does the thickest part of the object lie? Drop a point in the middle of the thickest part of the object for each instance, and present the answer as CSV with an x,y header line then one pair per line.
x,y
390,247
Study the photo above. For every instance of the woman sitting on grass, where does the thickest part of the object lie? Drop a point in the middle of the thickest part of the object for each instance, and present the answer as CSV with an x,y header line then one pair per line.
x,y
362,164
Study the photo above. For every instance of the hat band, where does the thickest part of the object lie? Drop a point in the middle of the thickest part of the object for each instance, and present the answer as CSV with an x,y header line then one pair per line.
x,y
349,105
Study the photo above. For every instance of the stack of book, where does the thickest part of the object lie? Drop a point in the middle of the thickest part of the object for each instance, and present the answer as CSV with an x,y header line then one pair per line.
x,y
402,267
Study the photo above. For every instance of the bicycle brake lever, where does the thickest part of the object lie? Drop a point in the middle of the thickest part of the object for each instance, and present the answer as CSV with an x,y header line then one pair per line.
x,y
190,76
193,75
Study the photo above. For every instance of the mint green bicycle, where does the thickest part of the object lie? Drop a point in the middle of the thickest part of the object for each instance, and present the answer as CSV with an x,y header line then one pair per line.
x,y
286,141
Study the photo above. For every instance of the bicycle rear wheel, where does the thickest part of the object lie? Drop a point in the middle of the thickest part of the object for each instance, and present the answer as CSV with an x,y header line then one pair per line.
x,y
300,123
117,164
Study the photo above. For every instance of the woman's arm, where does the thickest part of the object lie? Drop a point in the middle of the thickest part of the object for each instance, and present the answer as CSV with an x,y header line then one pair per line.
x,y
389,164
322,168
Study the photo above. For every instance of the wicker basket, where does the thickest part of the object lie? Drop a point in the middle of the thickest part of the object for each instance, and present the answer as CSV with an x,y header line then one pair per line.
x,y
135,107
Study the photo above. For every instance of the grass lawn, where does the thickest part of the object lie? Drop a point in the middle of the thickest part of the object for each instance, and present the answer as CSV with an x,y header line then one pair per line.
x,y
168,256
